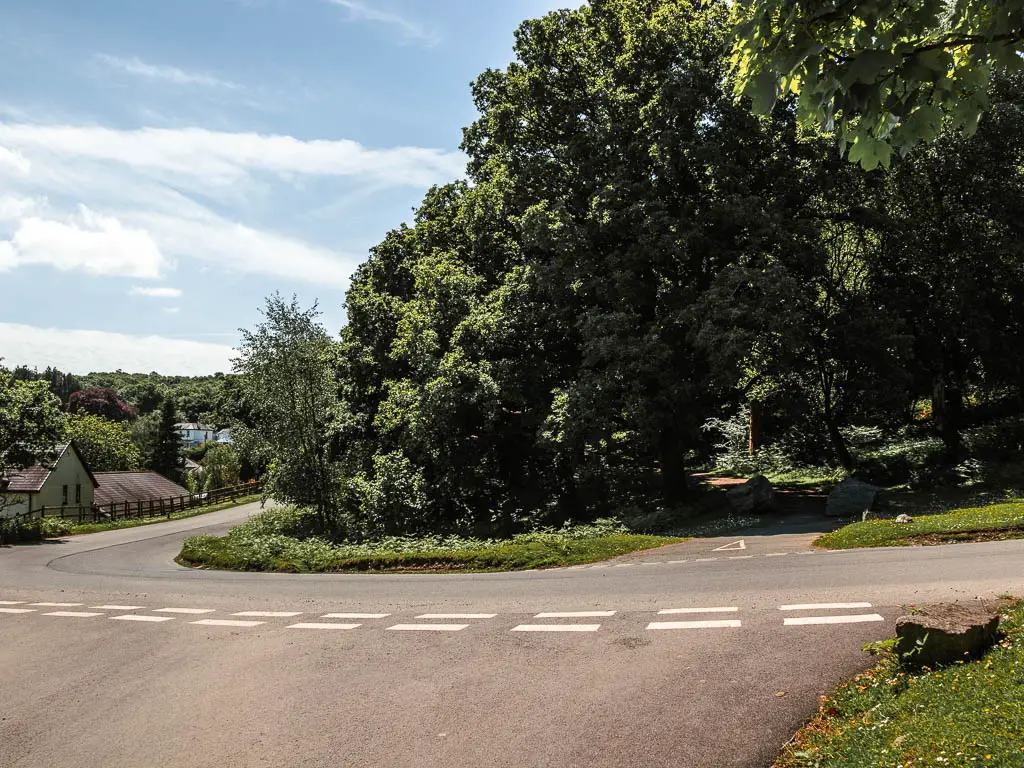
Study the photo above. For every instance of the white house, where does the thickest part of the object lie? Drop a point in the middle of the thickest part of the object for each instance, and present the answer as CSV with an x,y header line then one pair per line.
x,y
224,437
194,434
61,480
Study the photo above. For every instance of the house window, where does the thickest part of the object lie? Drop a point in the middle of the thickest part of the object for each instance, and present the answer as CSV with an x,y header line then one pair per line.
x,y
78,493
64,503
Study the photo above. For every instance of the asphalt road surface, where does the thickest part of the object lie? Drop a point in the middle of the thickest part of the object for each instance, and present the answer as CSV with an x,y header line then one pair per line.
x,y
709,653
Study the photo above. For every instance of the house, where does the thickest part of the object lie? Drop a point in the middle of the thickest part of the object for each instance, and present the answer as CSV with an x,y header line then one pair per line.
x,y
224,437
121,487
194,434
62,479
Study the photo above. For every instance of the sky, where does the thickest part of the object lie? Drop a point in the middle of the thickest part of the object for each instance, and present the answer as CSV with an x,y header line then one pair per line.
x,y
164,166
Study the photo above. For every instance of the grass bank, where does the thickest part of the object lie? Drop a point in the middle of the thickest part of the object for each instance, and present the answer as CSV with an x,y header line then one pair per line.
x,y
988,523
968,714
38,529
116,525
276,541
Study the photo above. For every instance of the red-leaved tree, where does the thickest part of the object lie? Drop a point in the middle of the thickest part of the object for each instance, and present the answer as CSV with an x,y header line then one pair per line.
x,y
98,401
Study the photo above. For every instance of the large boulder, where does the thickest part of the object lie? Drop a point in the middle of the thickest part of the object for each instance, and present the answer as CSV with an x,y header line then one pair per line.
x,y
852,498
755,495
946,633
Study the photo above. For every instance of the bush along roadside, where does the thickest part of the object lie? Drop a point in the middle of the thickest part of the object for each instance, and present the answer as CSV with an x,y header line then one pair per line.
x,y
994,522
278,540
970,713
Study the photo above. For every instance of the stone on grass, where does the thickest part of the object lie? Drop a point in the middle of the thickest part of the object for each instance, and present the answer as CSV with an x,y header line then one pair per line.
x,y
755,495
852,498
904,519
945,634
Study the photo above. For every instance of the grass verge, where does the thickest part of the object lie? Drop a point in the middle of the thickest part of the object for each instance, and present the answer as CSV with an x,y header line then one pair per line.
x,y
224,554
968,714
117,525
283,540
994,522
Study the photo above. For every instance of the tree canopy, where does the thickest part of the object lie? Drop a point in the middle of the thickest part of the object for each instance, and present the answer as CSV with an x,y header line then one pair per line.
x,y
882,74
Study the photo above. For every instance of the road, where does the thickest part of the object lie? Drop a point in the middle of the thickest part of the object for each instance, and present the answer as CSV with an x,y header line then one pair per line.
x,y
708,653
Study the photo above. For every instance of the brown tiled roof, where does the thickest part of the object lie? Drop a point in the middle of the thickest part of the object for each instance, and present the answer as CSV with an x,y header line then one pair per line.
x,y
31,479
119,487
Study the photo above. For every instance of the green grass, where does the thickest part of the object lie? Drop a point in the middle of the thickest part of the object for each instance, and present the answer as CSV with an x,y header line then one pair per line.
x,y
997,521
968,714
222,554
117,525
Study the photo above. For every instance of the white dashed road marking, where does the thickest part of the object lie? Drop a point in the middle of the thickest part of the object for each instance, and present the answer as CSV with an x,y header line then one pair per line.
x,y
12,602
118,607
716,624
575,615
73,614
227,623
557,628
149,619
317,625
186,611
428,627
776,554
56,605
17,610
269,614
355,615
669,611
457,616
823,606
851,619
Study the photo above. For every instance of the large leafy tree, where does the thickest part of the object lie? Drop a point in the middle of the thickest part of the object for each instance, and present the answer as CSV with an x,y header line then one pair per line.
x,y
100,401
105,445
288,366
883,73
31,424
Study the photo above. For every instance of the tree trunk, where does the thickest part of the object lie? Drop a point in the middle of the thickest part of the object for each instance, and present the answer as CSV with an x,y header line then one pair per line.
x,y
947,405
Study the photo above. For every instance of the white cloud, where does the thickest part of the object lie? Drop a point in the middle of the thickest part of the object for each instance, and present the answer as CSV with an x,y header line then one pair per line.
x,y
14,160
240,248
360,11
155,293
83,351
13,208
230,157
8,258
139,68
172,310
99,245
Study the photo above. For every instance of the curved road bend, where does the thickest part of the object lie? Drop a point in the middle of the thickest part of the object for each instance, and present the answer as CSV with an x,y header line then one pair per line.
x,y
708,653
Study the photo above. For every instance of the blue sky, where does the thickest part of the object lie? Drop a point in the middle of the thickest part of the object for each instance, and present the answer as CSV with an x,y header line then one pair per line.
x,y
164,166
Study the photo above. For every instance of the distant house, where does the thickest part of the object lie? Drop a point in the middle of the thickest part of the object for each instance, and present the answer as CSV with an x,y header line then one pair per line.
x,y
194,434
119,487
224,437
63,479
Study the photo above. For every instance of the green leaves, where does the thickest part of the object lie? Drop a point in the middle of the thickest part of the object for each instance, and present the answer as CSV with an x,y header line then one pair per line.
x,y
879,69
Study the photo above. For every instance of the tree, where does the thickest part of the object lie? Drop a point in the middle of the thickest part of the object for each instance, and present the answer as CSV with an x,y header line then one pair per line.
x,y
885,74
221,467
31,424
98,401
288,380
164,455
105,445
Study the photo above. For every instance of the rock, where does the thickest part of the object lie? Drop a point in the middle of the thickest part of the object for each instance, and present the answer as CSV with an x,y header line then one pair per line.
x,y
945,634
852,498
755,495
904,519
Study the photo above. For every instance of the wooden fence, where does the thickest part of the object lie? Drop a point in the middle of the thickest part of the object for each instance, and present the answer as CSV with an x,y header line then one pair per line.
x,y
141,510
